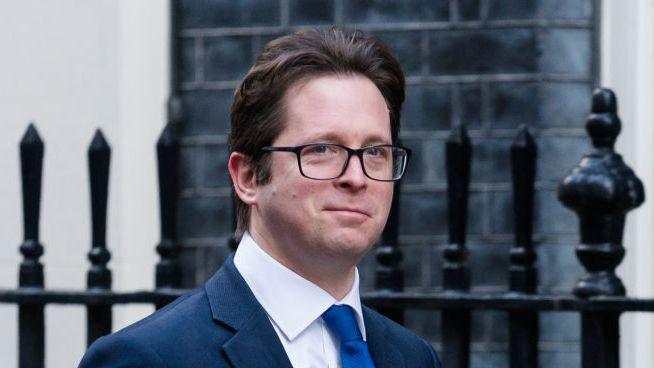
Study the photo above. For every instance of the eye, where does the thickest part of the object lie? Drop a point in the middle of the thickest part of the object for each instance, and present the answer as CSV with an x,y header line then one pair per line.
x,y
320,149
376,151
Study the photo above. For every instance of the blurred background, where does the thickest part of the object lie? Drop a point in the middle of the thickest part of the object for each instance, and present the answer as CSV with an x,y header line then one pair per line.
x,y
73,66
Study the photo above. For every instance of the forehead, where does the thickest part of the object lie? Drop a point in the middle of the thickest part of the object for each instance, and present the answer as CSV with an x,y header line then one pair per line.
x,y
345,108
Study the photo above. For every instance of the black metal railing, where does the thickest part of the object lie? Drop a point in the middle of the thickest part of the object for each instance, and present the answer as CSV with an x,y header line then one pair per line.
x,y
601,190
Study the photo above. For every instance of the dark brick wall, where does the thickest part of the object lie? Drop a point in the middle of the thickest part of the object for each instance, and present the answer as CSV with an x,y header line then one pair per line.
x,y
489,64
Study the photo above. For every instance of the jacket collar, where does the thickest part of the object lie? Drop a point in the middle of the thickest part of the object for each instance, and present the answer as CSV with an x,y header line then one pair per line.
x,y
255,342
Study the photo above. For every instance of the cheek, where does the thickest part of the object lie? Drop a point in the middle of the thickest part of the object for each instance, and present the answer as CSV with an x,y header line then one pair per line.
x,y
385,196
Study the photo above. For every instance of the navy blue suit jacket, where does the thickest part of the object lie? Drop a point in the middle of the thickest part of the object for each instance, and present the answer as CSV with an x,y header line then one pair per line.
x,y
223,325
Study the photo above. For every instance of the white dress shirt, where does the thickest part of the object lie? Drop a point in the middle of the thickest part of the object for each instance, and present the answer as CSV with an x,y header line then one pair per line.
x,y
294,306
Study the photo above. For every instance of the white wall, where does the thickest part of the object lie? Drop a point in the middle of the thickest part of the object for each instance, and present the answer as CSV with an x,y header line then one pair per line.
x,y
627,68
71,66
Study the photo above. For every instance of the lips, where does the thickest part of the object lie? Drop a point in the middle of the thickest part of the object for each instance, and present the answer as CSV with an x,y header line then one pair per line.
x,y
348,210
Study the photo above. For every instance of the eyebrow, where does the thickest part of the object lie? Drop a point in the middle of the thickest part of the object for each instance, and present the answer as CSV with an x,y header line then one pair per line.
x,y
332,137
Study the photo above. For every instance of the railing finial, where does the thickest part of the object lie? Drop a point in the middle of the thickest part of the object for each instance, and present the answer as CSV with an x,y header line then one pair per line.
x,y
601,190
31,161
99,157
167,272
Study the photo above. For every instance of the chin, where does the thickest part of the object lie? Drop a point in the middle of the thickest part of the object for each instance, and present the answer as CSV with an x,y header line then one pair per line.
x,y
350,244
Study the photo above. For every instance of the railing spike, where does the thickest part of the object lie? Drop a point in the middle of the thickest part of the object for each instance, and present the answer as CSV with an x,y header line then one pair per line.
x,y
99,317
455,325
31,319
167,272
523,325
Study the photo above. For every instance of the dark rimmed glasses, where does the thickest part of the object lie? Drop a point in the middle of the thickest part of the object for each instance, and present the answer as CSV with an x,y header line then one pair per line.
x,y
325,161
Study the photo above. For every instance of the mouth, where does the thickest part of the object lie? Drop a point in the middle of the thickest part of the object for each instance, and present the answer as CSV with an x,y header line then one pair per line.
x,y
348,211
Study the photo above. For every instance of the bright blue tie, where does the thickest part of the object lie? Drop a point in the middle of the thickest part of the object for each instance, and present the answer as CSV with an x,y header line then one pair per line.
x,y
354,351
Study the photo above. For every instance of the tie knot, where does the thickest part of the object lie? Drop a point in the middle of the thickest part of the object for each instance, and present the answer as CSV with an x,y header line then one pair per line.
x,y
341,322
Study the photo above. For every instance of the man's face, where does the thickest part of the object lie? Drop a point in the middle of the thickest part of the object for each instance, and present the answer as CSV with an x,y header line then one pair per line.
x,y
339,218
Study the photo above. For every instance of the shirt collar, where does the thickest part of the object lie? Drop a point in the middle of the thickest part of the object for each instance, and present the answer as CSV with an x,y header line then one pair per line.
x,y
291,301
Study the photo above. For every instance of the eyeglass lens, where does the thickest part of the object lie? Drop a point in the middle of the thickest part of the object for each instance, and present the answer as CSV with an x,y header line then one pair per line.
x,y
325,161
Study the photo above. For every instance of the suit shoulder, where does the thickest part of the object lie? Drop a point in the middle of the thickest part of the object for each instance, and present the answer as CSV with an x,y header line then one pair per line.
x,y
185,309
153,336
119,350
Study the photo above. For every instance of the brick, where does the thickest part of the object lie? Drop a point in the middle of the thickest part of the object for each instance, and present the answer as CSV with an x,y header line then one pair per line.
x,y
206,112
227,58
513,104
259,41
567,9
191,167
302,12
476,213
188,65
521,9
436,265
423,214
560,327
559,268
566,51
415,168
511,50
367,268
427,108
201,217
412,264
425,323
489,264
565,358
433,162
405,46
487,359
471,105
490,160
558,155
384,11
502,217
551,218
468,9
215,172
489,327
564,105
227,13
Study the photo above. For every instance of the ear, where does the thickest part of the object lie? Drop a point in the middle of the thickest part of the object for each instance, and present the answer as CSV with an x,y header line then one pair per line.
x,y
243,178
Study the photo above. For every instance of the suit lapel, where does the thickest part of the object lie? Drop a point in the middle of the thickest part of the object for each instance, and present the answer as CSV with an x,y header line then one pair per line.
x,y
383,351
256,345
255,342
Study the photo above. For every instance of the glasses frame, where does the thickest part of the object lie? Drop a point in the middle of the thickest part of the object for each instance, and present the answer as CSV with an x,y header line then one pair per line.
x,y
350,152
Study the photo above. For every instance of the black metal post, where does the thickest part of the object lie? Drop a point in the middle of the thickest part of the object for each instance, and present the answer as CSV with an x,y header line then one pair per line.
x,y
98,317
456,274
31,320
167,271
601,190
523,277
389,275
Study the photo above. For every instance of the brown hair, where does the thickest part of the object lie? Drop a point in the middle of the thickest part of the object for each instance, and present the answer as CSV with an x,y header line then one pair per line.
x,y
257,115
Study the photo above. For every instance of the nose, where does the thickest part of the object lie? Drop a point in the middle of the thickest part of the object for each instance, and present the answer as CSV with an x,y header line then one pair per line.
x,y
353,177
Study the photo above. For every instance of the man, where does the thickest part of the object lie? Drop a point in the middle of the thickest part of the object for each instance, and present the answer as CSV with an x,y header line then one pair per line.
x,y
313,164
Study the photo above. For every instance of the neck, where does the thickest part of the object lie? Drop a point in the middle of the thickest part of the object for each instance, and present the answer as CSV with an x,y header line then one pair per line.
x,y
335,276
